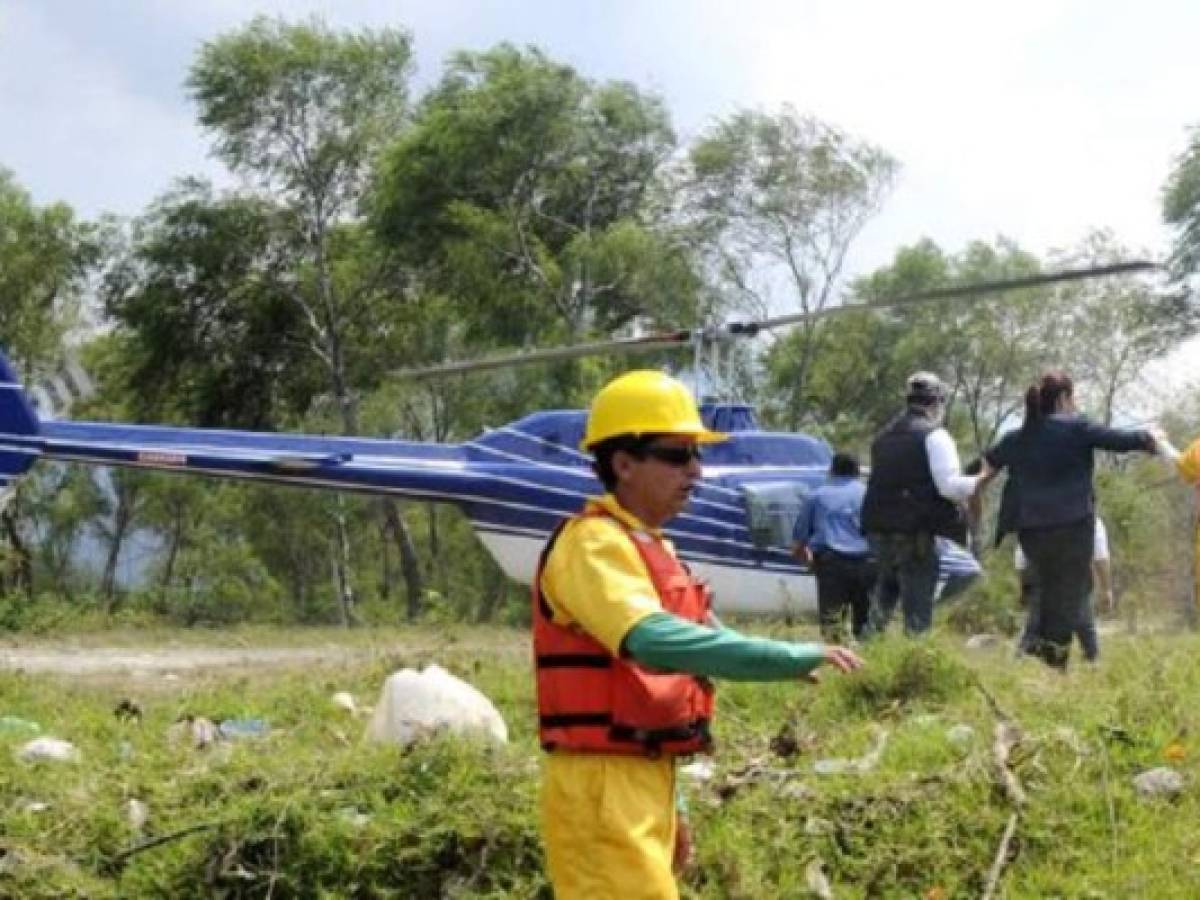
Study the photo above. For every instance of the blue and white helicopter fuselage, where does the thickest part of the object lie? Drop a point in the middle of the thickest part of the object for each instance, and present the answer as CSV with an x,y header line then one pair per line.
x,y
513,483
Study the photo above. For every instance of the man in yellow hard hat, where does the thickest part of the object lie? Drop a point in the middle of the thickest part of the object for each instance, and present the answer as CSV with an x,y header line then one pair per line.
x,y
624,645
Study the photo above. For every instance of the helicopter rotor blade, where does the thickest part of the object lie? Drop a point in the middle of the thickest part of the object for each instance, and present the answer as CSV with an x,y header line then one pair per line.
x,y
665,340
965,291
645,343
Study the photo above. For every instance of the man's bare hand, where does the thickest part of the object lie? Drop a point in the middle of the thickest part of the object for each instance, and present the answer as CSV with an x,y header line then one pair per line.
x,y
684,851
842,658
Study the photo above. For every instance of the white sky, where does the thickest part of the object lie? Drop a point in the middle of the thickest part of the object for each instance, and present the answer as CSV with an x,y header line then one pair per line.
x,y
1035,120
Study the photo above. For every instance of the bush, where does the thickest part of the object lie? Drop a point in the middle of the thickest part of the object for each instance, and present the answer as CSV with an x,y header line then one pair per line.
x,y
901,673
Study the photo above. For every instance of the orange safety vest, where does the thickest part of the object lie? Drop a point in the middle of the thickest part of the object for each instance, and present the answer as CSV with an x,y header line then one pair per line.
x,y
589,700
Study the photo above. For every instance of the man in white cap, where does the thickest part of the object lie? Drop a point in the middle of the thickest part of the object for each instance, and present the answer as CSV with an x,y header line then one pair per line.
x,y
915,493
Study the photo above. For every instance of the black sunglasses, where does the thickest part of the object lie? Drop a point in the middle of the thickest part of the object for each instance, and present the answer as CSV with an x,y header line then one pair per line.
x,y
673,456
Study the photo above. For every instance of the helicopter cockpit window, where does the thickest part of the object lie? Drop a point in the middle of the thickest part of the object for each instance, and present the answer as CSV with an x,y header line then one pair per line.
x,y
771,511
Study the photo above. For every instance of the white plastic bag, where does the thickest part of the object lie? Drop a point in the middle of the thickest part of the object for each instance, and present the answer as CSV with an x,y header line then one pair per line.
x,y
416,704
48,749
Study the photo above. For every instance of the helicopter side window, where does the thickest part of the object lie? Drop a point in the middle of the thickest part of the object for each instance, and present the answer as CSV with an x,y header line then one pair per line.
x,y
771,511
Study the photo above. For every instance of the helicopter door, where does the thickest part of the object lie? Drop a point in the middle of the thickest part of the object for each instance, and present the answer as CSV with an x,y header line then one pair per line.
x,y
771,511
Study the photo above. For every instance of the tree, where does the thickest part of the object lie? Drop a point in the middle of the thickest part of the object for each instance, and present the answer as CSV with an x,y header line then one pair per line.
x,y
991,348
45,256
210,333
306,110
1117,325
987,348
860,358
1181,208
526,192
777,201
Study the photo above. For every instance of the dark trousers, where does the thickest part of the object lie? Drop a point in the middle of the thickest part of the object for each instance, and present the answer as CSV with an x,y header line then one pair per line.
x,y
843,582
907,574
1085,630
1060,558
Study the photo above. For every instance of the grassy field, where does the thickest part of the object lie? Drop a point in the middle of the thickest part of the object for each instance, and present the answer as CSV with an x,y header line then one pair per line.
x,y
309,810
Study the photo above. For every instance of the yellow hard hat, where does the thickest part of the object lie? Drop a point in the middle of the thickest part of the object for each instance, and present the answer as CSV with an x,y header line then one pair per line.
x,y
645,402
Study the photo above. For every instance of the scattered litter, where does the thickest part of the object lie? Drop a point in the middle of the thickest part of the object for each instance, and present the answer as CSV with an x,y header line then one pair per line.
x,y
128,711
17,725
1069,736
344,700
786,782
137,814
33,806
10,860
982,641
796,791
198,731
960,735
50,749
354,817
925,719
1160,782
1175,752
792,740
817,881
235,729
416,704
700,770
816,826
857,766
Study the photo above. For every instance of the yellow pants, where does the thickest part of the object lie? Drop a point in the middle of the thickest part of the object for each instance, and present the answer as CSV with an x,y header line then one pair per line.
x,y
608,826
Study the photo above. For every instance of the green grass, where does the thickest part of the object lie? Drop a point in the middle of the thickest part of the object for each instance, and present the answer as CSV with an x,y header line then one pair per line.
x,y
310,810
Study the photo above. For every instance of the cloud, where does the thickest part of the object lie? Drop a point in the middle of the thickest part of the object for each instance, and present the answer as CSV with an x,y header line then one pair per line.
x,y
73,127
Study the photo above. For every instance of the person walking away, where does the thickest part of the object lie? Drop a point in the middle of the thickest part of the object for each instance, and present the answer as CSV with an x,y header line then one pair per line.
x,y
828,535
916,492
1085,630
1051,456
624,647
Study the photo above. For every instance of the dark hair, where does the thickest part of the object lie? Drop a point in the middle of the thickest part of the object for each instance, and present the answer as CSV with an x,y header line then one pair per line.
x,y
844,465
604,451
1041,399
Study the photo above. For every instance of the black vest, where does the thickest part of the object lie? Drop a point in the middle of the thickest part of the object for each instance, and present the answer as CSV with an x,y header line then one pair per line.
x,y
901,494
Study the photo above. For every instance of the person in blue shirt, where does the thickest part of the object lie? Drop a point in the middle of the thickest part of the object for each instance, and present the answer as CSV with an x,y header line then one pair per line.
x,y
828,536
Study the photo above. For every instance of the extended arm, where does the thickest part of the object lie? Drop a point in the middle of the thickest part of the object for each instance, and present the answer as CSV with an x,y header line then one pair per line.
x,y
1119,440
944,467
664,641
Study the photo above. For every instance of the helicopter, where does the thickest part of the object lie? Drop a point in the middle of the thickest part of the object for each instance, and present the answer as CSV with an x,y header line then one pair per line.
x,y
514,483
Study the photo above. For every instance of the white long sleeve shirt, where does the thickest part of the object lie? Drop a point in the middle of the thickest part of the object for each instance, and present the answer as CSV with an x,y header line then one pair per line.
x,y
946,469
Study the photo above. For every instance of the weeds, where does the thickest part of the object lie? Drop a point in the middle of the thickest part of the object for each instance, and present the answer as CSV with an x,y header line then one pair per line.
x,y
308,810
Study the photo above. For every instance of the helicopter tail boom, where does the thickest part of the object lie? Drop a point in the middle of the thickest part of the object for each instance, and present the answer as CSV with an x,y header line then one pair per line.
x,y
17,419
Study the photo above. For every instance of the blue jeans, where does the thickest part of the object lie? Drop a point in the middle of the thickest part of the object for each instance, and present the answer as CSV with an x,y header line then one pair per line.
x,y
908,575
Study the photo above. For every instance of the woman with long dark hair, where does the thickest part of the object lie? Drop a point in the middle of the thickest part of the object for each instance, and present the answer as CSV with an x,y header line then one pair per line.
x,y
1052,509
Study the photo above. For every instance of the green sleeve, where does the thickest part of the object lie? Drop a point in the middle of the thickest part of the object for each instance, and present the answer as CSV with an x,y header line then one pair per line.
x,y
667,642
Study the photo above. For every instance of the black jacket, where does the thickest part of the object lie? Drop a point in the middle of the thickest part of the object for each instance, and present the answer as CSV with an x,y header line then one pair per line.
x,y
1050,470
901,493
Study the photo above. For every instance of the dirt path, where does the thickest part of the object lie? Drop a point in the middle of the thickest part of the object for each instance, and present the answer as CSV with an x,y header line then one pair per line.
x,y
133,661
108,659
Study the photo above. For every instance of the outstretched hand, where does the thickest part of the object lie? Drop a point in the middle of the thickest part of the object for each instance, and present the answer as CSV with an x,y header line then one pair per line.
x,y
842,658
